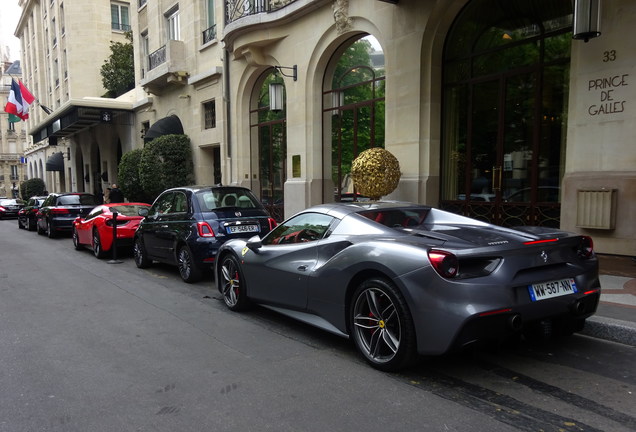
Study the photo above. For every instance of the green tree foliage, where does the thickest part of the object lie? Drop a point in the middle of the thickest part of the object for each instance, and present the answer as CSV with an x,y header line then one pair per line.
x,y
32,187
166,162
118,71
128,177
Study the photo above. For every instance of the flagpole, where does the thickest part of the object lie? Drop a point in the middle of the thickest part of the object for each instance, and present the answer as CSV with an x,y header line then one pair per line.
x,y
44,107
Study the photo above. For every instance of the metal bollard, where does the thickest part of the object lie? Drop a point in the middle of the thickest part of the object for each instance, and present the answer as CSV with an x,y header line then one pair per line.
x,y
114,246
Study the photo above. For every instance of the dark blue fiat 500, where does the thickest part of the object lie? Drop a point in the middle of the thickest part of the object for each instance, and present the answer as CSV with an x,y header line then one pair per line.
x,y
186,226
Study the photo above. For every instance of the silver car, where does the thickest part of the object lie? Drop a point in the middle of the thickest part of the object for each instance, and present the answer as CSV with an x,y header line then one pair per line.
x,y
404,280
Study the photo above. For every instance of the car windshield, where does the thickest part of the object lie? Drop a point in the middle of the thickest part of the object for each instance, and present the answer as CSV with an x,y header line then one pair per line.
x,y
128,210
212,199
8,202
398,218
76,199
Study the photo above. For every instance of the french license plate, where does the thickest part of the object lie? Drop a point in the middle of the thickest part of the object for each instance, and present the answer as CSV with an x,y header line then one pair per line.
x,y
237,229
546,290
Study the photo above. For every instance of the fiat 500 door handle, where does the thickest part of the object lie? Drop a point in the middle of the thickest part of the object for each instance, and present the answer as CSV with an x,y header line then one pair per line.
x,y
163,226
302,267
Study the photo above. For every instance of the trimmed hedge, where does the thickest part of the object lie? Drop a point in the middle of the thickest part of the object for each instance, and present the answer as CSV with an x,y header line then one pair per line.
x,y
163,163
32,187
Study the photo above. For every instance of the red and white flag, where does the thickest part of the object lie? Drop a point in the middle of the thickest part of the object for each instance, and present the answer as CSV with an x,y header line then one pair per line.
x,y
19,100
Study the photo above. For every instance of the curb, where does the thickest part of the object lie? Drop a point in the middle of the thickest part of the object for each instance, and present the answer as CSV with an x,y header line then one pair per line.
x,y
610,329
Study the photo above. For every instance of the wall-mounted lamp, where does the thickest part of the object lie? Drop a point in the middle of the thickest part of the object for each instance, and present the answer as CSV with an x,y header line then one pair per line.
x,y
294,69
587,19
276,93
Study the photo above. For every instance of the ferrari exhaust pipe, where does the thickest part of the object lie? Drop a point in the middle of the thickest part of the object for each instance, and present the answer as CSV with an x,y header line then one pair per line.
x,y
515,322
578,307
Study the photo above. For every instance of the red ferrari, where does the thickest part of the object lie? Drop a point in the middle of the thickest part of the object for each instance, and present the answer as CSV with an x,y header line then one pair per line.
x,y
96,229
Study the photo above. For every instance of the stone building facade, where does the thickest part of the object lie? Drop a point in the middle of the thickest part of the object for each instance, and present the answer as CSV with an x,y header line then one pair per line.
x,y
491,107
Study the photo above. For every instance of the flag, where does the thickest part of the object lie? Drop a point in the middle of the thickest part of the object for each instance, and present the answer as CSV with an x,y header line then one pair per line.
x,y
19,100
14,118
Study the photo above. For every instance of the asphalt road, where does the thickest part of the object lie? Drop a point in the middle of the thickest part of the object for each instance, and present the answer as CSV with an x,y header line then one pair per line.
x,y
90,346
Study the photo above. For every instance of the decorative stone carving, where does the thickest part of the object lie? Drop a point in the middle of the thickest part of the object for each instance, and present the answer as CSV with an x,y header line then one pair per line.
x,y
341,15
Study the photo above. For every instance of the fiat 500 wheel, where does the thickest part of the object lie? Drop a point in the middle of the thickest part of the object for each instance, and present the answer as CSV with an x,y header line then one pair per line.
x,y
188,269
381,326
139,252
232,284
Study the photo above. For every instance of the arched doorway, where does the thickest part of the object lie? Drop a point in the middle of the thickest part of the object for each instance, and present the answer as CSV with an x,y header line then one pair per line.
x,y
506,75
353,109
269,142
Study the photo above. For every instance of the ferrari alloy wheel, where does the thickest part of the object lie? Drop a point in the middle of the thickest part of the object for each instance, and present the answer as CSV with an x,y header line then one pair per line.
x,y
39,229
381,326
139,252
232,285
97,245
188,269
76,242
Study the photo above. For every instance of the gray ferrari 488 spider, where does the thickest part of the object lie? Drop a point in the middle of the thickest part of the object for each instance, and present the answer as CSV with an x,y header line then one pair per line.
x,y
404,280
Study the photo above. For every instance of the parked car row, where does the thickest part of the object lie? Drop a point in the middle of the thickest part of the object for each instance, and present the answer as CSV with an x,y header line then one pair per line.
x,y
185,226
399,279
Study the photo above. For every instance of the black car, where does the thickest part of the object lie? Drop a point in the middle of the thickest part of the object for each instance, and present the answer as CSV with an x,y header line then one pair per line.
x,y
186,226
9,207
59,210
27,216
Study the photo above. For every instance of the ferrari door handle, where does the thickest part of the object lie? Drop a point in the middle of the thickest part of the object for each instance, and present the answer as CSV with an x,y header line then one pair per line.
x,y
302,267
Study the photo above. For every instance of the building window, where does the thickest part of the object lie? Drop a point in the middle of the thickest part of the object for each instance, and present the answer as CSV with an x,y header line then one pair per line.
x,y
210,32
119,17
209,113
145,52
11,126
172,19
14,172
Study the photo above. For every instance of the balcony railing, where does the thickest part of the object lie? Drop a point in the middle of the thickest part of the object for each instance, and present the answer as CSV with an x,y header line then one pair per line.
x,y
237,9
209,34
119,26
156,58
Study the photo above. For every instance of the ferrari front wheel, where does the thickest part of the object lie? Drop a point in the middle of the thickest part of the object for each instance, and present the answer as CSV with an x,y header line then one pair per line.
x,y
232,284
381,325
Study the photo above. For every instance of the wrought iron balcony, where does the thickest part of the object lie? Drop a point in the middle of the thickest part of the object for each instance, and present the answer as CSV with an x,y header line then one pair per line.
x,y
209,34
119,26
166,66
237,9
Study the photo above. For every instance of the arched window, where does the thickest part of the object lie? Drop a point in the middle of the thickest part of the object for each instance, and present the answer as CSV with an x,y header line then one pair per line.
x,y
506,75
353,110
269,142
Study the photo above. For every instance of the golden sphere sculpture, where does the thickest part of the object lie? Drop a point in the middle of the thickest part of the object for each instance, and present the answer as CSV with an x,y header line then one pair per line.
x,y
375,173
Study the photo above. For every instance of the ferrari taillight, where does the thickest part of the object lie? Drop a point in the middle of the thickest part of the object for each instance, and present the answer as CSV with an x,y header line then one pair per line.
x,y
272,223
205,230
444,263
586,247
